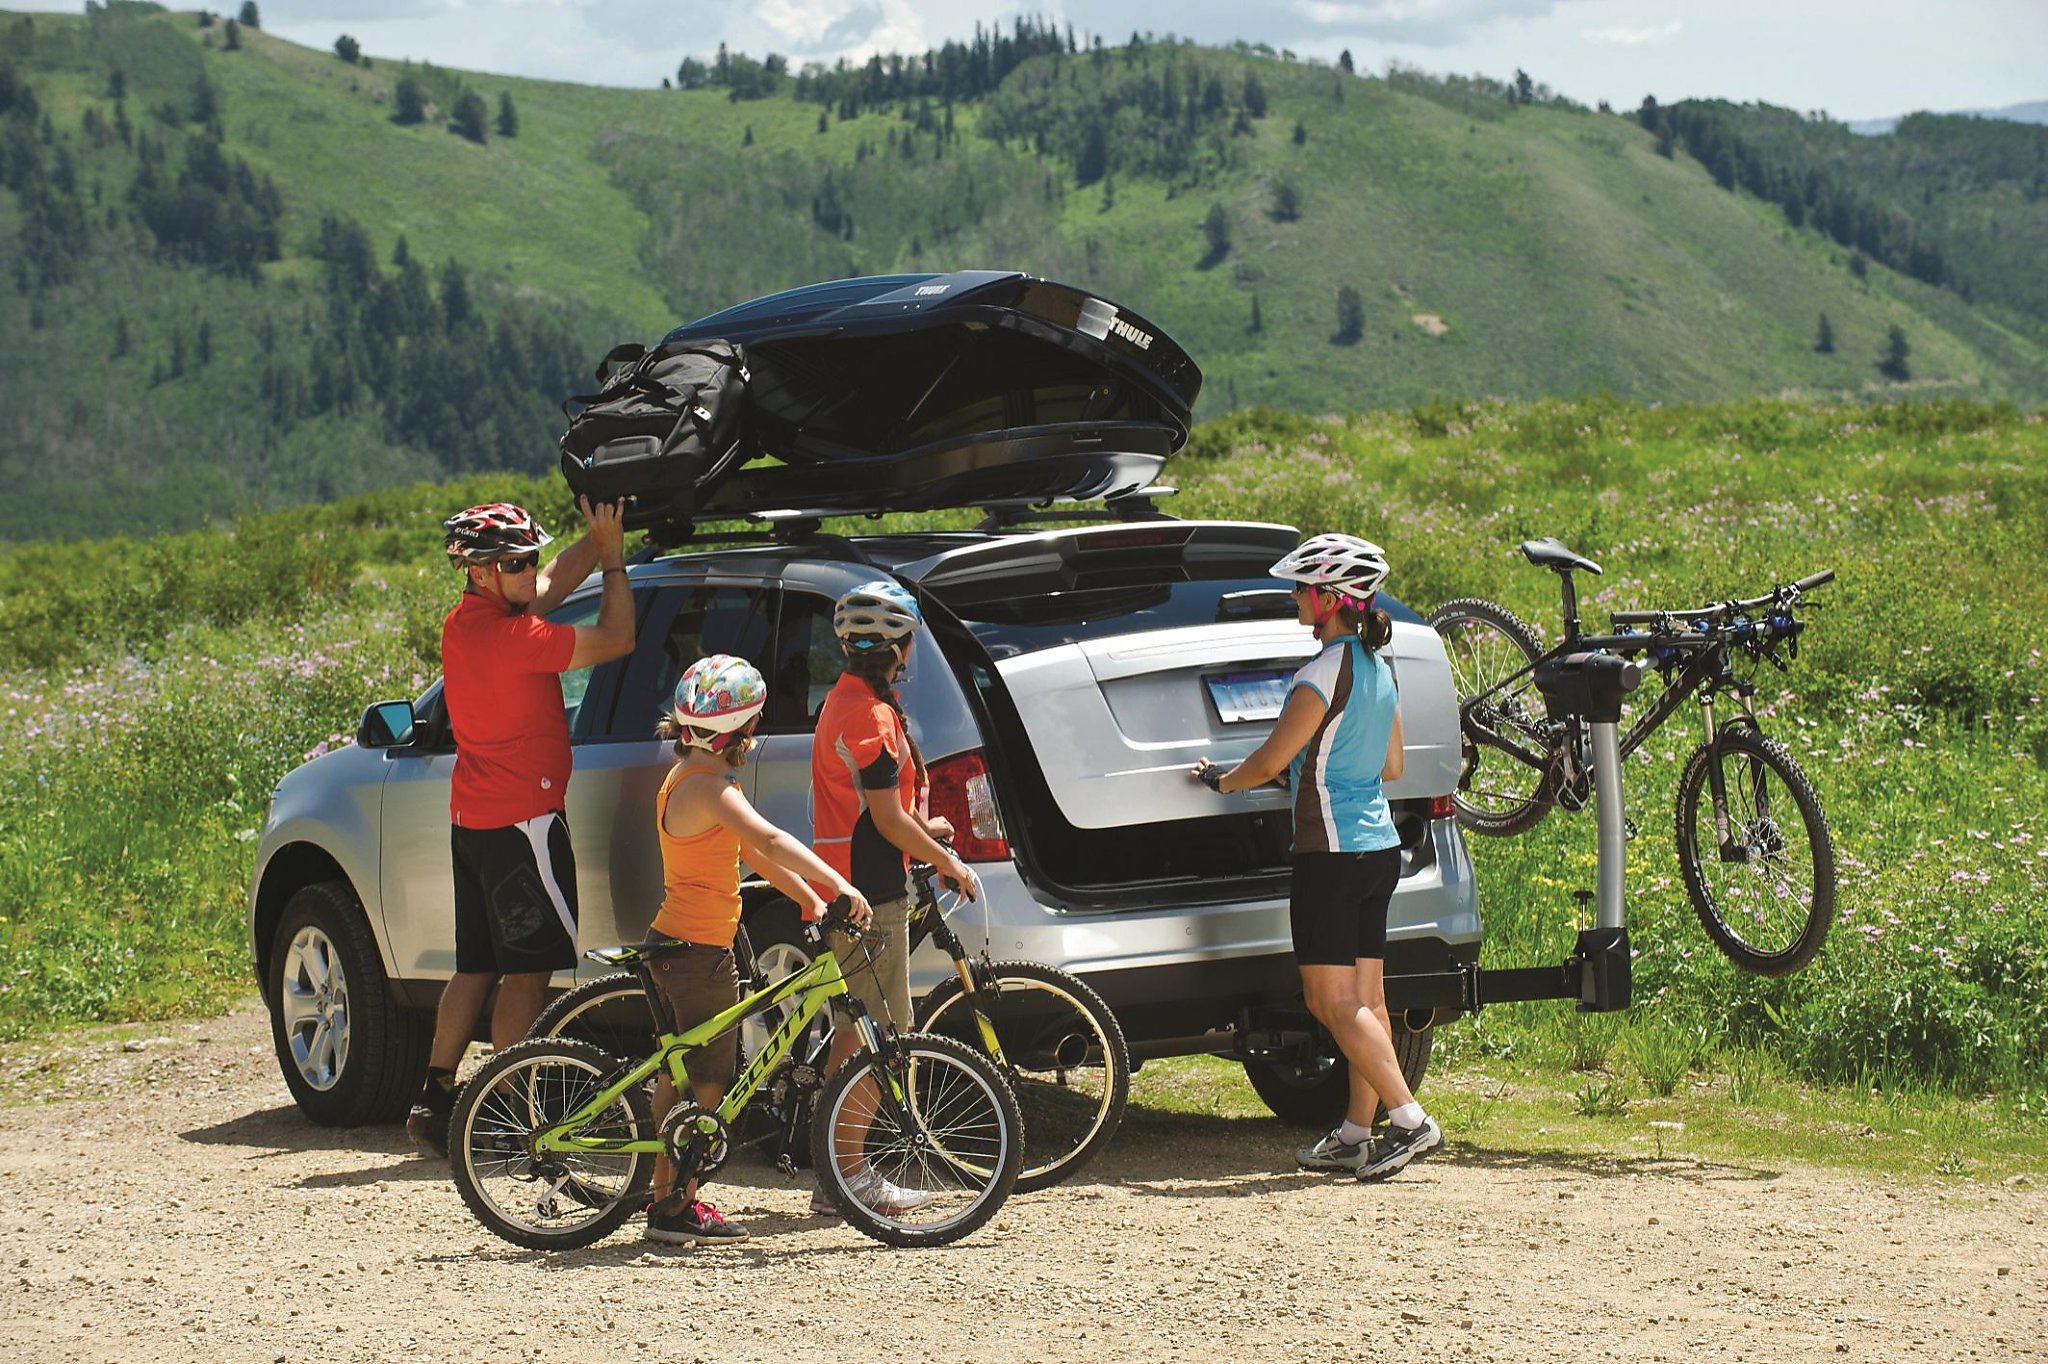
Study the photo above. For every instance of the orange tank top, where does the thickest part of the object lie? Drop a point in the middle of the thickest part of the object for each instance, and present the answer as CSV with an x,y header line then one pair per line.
x,y
700,875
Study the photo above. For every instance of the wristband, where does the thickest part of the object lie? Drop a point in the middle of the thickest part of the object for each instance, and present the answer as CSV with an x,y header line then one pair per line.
x,y
615,570
1211,777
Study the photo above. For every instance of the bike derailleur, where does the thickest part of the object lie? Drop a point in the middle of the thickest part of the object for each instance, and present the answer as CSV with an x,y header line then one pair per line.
x,y
697,1140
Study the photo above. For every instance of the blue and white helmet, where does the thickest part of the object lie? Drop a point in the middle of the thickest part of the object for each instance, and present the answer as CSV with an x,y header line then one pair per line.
x,y
875,615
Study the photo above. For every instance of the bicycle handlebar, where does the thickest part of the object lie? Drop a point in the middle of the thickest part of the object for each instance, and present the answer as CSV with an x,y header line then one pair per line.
x,y
1777,596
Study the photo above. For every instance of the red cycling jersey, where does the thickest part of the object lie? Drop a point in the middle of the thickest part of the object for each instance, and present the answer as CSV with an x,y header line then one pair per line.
x,y
502,674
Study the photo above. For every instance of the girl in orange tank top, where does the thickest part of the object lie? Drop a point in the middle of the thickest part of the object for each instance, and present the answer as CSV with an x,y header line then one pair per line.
x,y
706,827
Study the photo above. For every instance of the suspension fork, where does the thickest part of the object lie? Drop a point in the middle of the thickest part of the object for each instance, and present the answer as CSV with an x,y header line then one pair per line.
x,y
963,966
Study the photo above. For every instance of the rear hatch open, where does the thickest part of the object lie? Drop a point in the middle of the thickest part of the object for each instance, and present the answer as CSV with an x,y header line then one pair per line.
x,y
1105,660
916,392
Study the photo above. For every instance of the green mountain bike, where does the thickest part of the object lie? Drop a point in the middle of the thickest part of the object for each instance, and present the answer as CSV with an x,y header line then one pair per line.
x,y
917,1138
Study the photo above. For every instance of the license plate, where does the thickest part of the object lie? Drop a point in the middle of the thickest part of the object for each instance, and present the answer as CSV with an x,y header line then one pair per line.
x,y
1241,698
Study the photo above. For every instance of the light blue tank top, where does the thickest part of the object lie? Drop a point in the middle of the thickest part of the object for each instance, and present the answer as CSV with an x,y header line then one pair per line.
x,y
1338,805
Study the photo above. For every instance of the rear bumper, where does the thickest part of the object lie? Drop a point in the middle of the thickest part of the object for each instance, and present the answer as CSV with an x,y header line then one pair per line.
x,y
1193,969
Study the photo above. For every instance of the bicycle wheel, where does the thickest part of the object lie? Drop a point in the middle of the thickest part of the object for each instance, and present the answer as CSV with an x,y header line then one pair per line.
x,y
610,1012
1506,784
555,1202
1767,898
1063,1054
929,1171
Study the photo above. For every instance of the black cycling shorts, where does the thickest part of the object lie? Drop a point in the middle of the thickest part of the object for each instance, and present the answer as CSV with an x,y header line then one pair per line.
x,y
1338,908
515,898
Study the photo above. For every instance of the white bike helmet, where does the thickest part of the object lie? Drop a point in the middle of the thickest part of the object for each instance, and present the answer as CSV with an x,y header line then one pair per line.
x,y
478,535
875,615
1343,564
716,698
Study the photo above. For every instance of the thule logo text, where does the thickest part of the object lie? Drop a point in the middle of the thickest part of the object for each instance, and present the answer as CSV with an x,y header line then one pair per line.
x,y
1141,339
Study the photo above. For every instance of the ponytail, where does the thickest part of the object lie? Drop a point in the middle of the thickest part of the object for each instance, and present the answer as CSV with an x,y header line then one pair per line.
x,y
874,667
1374,627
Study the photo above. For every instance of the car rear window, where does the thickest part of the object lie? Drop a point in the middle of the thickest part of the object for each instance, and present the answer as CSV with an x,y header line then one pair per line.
x,y
1032,616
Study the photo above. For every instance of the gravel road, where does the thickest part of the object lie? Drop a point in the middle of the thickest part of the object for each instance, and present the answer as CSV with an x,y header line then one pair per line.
x,y
168,1203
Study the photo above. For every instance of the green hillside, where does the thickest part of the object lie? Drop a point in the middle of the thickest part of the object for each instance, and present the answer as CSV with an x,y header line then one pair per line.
x,y
210,313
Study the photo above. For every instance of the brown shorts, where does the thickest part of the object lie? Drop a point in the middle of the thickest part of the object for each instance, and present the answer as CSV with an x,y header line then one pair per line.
x,y
887,983
699,983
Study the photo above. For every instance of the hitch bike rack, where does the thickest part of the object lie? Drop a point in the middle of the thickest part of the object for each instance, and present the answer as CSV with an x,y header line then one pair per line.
x,y
1599,972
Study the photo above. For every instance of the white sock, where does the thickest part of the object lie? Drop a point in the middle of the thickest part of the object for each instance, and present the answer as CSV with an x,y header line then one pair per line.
x,y
1409,1115
1351,1134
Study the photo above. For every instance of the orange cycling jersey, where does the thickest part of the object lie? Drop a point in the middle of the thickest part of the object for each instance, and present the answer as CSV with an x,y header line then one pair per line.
x,y
860,754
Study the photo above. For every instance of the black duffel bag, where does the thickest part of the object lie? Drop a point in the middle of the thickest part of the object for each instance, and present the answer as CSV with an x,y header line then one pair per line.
x,y
664,423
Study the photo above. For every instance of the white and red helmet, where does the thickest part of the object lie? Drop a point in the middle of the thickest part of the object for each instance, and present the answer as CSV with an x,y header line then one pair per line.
x,y
717,698
1343,564
478,535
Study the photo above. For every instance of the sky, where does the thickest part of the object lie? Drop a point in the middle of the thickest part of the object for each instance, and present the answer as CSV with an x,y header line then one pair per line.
x,y
1855,59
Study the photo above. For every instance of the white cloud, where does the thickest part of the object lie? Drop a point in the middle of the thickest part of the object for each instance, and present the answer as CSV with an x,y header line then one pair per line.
x,y
1623,35
1430,23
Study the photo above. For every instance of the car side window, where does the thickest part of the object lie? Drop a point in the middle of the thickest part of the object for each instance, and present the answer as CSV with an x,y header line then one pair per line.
x,y
690,623
576,682
807,663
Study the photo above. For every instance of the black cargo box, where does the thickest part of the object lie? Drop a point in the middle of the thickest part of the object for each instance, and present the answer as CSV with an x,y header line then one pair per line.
x,y
916,392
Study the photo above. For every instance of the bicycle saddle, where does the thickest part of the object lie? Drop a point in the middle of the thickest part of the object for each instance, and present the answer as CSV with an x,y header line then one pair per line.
x,y
1549,552
629,953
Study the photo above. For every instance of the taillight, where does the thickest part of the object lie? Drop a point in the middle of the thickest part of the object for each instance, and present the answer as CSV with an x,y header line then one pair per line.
x,y
962,794
1443,807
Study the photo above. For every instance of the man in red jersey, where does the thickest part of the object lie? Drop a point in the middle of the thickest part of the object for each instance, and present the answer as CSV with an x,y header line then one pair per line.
x,y
515,878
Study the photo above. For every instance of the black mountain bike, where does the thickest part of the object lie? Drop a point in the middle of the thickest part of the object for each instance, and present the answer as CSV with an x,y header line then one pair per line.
x,y
1051,1036
1753,846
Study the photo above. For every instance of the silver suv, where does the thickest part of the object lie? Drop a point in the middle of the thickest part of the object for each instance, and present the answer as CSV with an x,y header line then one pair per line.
x,y
1064,682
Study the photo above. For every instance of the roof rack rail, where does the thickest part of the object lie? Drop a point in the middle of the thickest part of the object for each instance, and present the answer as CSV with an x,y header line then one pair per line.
x,y
795,529
1137,505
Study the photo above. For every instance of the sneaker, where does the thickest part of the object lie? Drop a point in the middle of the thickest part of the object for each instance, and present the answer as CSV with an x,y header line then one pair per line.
x,y
1400,1147
425,1127
875,1192
683,1224
1331,1153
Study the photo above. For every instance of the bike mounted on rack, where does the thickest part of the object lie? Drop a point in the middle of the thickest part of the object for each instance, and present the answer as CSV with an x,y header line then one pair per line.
x,y
1753,846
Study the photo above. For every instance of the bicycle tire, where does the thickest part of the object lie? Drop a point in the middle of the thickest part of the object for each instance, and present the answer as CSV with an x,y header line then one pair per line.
x,y
1485,643
1724,905
962,1158
610,1012
521,1090
1041,1015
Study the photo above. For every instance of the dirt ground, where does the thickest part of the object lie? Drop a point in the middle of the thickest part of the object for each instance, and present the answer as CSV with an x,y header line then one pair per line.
x,y
168,1203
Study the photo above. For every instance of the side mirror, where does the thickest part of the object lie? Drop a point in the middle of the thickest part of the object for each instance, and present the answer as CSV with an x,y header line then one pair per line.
x,y
387,724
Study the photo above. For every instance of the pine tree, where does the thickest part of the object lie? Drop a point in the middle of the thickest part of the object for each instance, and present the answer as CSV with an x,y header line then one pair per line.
x,y
1286,202
1892,364
1824,341
348,49
1254,95
233,42
121,342
455,305
205,341
748,139
177,353
408,102
469,116
1216,234
508,117
251,17
1300,132
1350,316
823,121
1258,322
1344,62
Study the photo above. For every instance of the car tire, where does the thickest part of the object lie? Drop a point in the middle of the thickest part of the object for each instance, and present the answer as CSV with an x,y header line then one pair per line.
x,y
1314,1092
349,1054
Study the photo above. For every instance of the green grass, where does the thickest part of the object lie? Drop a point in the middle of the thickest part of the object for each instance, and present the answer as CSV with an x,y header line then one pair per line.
x,y
1737,1125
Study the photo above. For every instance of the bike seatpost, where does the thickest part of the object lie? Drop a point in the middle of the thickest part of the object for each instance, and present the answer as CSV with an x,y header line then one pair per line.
x,y
1608,899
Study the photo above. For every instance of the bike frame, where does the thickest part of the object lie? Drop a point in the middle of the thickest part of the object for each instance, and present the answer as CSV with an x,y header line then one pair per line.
x,y
811,989
928,922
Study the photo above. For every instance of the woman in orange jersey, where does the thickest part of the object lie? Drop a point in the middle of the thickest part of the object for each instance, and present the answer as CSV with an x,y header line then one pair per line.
x,y
706,826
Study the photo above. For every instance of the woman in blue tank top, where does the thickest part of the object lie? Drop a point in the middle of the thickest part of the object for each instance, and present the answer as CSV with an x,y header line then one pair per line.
x,y
1337,739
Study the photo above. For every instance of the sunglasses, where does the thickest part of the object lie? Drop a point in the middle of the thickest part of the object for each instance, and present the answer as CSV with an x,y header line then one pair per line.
x,y
512,568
